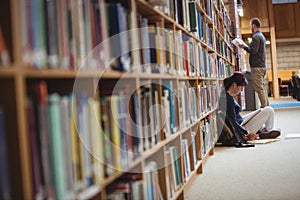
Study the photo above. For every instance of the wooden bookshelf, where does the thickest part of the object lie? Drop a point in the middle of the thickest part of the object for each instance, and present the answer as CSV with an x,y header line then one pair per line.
x,y
163,63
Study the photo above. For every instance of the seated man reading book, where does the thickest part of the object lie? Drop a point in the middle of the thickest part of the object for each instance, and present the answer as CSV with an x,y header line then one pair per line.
x,y
255,125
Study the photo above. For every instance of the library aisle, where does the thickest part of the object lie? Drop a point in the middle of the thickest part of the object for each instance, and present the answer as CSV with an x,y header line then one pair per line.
x,y
267,171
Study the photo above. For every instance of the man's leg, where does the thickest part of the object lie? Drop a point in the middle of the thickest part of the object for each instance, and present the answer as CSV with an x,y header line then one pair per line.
x,y
258,80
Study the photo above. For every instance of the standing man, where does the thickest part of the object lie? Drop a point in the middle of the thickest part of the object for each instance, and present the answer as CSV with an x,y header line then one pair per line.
x,y
257,60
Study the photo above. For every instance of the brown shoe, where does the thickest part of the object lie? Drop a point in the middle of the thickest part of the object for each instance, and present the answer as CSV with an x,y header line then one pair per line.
x,y
274,133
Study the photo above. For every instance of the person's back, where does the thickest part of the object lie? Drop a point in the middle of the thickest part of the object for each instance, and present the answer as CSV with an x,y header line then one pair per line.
x,y
257,50
257,61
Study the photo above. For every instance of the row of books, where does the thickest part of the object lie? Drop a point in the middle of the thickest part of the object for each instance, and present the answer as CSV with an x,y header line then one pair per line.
x,y
151,115
126,187
223,12
5,192
76,141
221,47
151,181
165,6
165,51
185,12
209,133
173,170
196,102
61,34
159,112
97,138
77,40
208,6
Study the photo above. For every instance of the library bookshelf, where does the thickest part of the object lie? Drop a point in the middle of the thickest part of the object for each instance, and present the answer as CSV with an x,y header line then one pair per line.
x,y
87,115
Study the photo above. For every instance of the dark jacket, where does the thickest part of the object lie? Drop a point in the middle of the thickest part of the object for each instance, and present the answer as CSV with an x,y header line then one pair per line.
x,y
257,50
231,108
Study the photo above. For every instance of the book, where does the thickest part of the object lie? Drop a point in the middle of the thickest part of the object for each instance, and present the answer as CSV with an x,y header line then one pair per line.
x,y
176,166
115,132
66,138
4,170
64,34
38,93
4,54
136,124
38,35
105,132
186,159
151,182
33,141
237,42
51,32
263,141
55,135
83,130
117,26
193,16
194,150
96,140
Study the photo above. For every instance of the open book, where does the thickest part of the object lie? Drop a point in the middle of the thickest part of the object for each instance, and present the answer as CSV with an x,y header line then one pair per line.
x,y
263,141
237,42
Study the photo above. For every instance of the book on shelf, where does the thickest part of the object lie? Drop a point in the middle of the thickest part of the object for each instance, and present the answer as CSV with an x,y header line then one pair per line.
x,y
4,53
186,159
105,132
33,141
136,123
175,167
51,33
37,93
194,150
5,192
55,137
115,132
151,182
125,128
120,190
165,6
64,36
67,141
144,44
117,27
96,139
193,16
83,132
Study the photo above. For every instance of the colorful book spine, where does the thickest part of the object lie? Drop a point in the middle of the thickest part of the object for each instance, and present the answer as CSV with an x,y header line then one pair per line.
x,y
4,54
56,149
96,140
4,171
83,130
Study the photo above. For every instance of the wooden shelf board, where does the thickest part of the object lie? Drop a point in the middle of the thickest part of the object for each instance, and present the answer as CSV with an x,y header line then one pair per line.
x,y
7,71
147,9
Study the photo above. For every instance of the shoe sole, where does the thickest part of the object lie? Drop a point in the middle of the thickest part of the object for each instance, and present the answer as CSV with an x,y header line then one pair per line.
x,y
270,134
